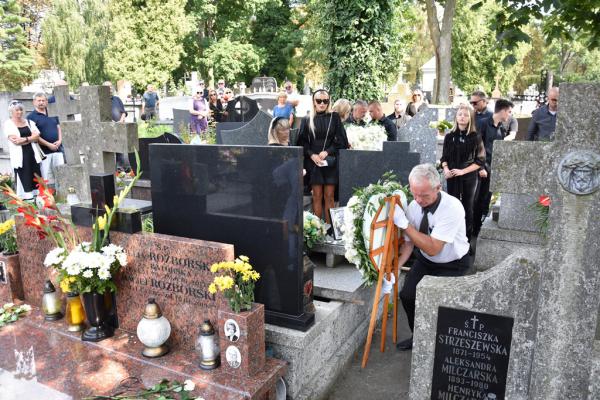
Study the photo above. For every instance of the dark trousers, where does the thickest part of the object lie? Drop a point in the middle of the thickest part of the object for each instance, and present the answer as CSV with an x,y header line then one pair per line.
x,y
482,205
465,188
419,269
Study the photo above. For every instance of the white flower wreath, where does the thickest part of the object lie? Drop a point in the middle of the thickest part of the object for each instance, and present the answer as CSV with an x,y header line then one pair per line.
x,y
359,213
369,137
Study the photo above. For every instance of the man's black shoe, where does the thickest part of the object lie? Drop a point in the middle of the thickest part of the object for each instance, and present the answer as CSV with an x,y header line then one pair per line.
x,y
405,344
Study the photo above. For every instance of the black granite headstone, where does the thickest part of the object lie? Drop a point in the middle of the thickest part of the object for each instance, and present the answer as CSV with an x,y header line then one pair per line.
x,y
359,168
472,352
253,133
143,151
249,196
102,187
241,109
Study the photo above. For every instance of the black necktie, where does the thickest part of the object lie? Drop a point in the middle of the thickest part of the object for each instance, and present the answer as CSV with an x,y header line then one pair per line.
x,y
424,227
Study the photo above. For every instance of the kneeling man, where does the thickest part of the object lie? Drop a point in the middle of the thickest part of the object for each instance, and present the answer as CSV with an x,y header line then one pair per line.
x,y
435,223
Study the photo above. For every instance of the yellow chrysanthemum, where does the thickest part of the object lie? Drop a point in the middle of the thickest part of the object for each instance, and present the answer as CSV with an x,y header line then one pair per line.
x,y
244,258
212,288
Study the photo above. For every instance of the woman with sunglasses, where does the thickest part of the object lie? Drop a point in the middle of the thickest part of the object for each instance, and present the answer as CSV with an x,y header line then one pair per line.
x,y
321,135
417,104
198,113
462,158
216,107
25,153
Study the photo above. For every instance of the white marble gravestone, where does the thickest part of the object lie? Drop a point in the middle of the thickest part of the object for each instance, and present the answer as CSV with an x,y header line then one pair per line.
x,y
553,294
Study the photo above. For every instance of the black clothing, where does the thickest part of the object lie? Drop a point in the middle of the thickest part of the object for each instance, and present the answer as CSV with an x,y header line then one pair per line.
x,y
412,110
29,166
490,133
117,108
217,110
319,141
390,128
542,125
351,120
483,115
419,269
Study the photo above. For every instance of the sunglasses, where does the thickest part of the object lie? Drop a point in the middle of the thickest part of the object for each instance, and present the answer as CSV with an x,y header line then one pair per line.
x,y
15,102
288,87
322,101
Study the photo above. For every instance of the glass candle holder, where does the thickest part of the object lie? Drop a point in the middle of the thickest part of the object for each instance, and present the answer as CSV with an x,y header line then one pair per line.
x,y
75,313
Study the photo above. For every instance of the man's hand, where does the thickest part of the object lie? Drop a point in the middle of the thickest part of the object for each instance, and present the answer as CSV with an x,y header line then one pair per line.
x,y
400,219
387,286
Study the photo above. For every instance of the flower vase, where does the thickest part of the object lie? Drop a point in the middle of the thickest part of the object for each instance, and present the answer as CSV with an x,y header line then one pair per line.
x,y
98,317
242,340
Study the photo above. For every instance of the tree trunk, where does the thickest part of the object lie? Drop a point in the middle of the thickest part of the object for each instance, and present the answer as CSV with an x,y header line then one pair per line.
x,y
442,44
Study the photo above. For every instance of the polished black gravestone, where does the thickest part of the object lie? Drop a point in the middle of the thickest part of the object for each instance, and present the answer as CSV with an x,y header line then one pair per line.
x,y
248,196
253,133
143,152
359,168
472,351
241,109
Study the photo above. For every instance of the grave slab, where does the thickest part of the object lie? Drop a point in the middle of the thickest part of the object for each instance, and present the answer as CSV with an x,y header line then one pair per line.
x,y
252,133
61,365
422,138
359,168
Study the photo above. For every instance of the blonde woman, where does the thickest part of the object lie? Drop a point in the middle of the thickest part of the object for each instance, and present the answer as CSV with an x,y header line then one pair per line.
x,y
343,107
279,132
322,135
25,153
417,104
462,158
284,108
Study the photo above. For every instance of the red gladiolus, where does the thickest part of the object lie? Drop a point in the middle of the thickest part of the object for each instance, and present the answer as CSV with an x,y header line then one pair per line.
x,y
544,200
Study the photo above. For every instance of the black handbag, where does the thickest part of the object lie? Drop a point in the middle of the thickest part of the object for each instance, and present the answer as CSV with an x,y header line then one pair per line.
x,y
330,159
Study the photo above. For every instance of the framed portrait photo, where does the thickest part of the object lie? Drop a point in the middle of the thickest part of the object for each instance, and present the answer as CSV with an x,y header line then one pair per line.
x,y
337,221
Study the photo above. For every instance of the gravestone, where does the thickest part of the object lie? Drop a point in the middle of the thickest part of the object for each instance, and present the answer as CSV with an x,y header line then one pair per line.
x,y
241,109
144,150
91,144
264,84
253,132
248,196
553,294
359,168
181,121
64,106
422,138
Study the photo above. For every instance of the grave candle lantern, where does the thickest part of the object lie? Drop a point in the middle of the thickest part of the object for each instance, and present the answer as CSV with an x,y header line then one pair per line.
x,y
51,303
74,312
153,331
208,347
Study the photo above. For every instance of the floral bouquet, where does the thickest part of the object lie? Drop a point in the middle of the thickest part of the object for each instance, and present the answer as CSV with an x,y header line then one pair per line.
x,y
542,208
369,137
122,178
236,282
8,238
441,126
315,229
82,267
10,312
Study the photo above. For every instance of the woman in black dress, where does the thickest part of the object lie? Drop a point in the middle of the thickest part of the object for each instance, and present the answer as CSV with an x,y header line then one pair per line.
x,y
216,107
322,135
25,154
462,158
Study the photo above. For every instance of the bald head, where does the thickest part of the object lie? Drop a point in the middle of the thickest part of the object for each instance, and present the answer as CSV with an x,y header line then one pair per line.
x,y
553,99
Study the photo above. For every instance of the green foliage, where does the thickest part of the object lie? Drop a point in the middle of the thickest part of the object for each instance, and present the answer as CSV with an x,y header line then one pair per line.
x,y
10,313
147,40
360,43
75,35
148,224
476,59
562,19
233,61
16,59
164,390
149,129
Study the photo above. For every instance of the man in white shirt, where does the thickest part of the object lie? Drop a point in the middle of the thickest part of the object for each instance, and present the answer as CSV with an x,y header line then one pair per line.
x,y
435,223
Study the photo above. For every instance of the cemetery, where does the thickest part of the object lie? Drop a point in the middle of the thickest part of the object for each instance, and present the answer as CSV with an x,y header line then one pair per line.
x,y
271,200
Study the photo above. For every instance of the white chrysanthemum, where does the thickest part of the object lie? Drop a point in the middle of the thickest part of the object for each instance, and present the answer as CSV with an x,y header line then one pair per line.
x,y
122,259
112,250
188,385
83,247
88,273
104,274
74,262
55,257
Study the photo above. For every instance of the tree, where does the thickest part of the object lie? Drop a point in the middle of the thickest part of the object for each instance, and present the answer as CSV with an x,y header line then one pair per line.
x,y
16,59
565,18
148,40
359,43
476,60
233,61
441,37
75,34
33,11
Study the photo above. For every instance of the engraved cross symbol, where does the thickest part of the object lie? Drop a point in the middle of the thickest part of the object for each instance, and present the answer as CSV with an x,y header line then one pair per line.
x,y
474,319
